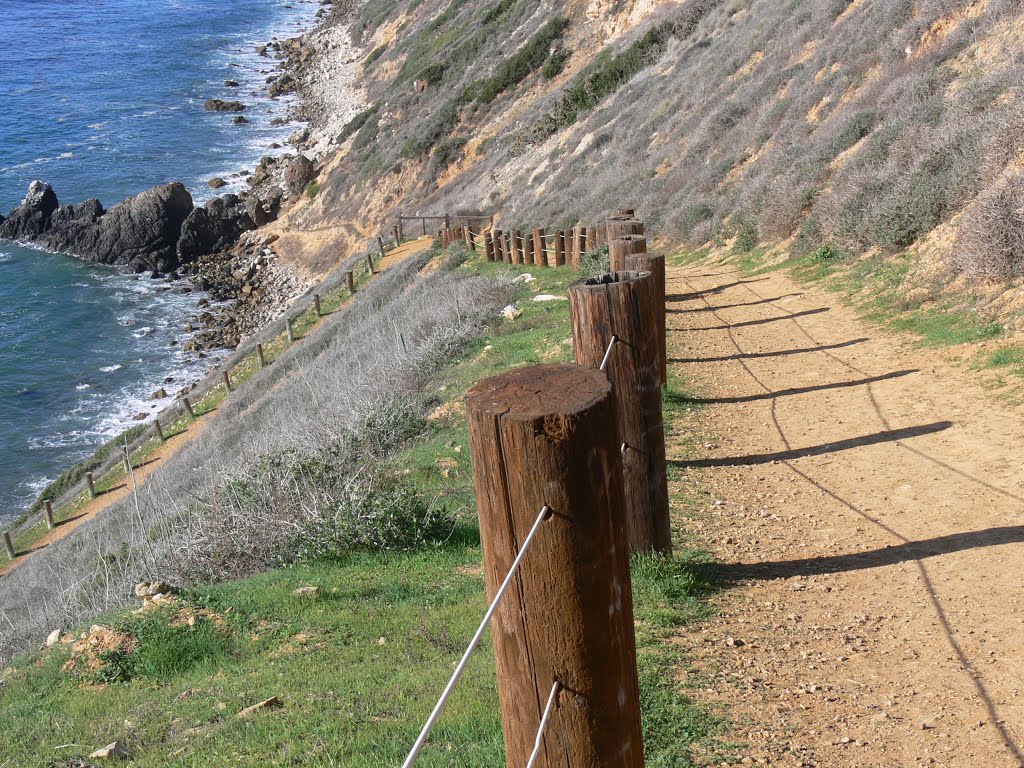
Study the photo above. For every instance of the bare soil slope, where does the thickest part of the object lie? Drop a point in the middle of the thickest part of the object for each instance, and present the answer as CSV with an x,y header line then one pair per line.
x,y
868,508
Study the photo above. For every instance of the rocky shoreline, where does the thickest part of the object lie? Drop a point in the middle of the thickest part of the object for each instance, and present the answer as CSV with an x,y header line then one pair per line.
x,y
218,246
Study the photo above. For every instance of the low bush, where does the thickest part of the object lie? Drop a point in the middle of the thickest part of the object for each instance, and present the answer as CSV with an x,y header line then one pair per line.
x,y
447,151
312,189
357,122
375,54
554,66
527,59
990,242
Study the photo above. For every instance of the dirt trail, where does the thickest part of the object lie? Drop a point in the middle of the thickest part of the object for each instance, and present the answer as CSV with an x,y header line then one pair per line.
x,y
867,501
174,444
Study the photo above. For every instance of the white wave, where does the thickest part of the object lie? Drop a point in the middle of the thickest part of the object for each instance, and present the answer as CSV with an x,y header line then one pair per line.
x,y
83,387
4,257
144,331
111,368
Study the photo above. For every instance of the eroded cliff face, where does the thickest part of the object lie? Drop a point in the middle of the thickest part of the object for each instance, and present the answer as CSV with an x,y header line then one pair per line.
x,y
861,126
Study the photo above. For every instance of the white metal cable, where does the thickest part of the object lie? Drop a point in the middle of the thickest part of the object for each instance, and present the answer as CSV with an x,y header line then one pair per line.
x,y
608,352
545,511
552,698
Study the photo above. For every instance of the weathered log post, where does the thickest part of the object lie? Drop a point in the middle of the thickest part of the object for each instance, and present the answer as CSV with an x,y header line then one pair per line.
x,y
350,278
488,246
423,221
401,227
621,247
509,254
48,512
618,227
539,257
543,440
528,257
227,380
188,407
560,248
467,236
655,264
9,546
369,263
601,234
90,485
159,430
290,329
447,221
397,231
517,247
261,356
499,245
621,306
590,244
380,245
316,305
578,233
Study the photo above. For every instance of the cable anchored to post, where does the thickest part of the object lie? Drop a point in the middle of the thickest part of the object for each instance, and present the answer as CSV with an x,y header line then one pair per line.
x,y
552,698
608,352
545,513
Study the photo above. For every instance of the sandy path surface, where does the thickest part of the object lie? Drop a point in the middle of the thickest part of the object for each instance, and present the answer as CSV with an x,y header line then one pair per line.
x,y
867,501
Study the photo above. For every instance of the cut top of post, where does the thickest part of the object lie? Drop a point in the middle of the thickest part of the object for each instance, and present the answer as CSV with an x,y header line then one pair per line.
x,y
539,391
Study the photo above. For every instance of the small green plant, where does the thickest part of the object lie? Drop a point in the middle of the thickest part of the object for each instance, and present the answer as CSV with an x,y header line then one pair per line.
x,y
312,189
375,54
556,64
356,123
746,234
827,253
527,59
448,150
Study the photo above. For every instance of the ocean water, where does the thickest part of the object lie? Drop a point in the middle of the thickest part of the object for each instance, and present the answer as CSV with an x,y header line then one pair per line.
x,y
104,99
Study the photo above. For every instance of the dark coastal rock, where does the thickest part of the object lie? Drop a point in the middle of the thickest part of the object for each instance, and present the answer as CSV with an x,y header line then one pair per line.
x,y
220,105
231,83
298,174
216,183
143,231
73,228
283,85
240,120
30,219
214,227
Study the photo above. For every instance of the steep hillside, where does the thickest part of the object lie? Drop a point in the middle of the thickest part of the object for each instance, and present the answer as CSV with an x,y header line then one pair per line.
x,y
862,127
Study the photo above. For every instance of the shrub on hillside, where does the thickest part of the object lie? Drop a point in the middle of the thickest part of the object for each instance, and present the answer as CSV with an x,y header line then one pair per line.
x,y
527,59
991,238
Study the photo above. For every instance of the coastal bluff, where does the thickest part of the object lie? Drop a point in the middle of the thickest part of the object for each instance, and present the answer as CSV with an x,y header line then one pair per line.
x,y
158,230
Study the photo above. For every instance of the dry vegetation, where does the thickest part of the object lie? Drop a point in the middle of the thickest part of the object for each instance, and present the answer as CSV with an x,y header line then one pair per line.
x,y
294,466
857,125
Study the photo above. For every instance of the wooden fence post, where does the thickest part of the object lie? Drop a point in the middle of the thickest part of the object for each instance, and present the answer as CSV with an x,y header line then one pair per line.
x,y
369,263
351,280
290,329
9,546
467,233
90,484
577,245
528,257
560,248
539,257
227,381
424,223
590,244
622,304
617,227
517,247
380,245
159,431
48,511
655,264
397,231
544,436
188,407
621,247
261,356
488,246
497,240
316,305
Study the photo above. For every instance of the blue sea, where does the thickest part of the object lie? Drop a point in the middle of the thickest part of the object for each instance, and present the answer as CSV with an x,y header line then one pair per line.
x,y
104,99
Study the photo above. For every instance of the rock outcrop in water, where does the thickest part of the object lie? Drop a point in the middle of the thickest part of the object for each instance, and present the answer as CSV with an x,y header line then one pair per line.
x,y
157,230
30,219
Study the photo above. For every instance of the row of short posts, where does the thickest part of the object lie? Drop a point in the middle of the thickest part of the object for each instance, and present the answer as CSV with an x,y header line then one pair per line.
x,y
589,445
158,429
